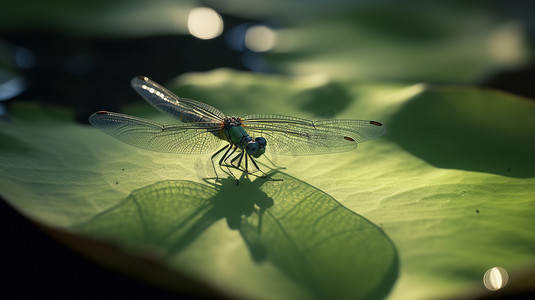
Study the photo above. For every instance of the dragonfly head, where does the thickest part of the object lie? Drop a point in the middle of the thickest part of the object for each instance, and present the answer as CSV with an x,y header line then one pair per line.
x,y
257,147
261,141
252,147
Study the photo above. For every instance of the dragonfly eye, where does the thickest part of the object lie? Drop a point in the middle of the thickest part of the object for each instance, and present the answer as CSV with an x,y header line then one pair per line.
x,y
252,147
261,141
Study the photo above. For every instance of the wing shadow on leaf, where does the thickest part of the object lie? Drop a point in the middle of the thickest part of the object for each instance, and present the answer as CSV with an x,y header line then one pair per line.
x,y
323,247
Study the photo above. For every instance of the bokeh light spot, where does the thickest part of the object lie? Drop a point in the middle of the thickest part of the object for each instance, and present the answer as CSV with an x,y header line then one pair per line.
x,y
495,278
260,38
507,45
12,88
205,23
25,58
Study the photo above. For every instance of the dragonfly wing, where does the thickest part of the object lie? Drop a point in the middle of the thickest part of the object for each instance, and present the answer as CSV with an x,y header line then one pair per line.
x,y
295,136
183,138
186,110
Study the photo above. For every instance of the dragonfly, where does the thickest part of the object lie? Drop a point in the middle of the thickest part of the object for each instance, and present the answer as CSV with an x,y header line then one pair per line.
x,y
203,128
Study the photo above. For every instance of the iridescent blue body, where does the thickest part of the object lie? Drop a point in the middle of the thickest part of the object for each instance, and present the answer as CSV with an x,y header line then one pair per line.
x,y
233,132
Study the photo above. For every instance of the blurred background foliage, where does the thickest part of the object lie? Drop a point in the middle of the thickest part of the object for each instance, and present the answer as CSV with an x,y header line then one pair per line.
x,y
82,54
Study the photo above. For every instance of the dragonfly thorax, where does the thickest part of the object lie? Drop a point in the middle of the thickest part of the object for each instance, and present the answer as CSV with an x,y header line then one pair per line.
x,y
236,135
231,121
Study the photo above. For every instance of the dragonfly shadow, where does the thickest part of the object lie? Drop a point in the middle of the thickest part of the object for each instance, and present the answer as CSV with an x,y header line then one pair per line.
x,y
323,247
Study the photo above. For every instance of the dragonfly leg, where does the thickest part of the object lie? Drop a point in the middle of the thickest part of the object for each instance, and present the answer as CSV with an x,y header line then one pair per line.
x,y
256,165
236,163
226,156
239,161
246,167
271,162
233,160
233,176
223,162
264,174
240,156
215,154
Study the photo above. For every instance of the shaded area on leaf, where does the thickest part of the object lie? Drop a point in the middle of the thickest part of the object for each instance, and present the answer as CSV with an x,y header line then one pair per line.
x,y
467,129
325,248
324,101
14,145
141,266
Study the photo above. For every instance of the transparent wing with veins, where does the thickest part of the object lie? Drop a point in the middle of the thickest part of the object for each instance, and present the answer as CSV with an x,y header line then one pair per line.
x,y
294,136
186,110
202,124
193,138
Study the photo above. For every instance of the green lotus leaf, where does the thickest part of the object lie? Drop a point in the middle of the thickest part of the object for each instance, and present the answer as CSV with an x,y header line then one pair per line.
x,y
420,213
